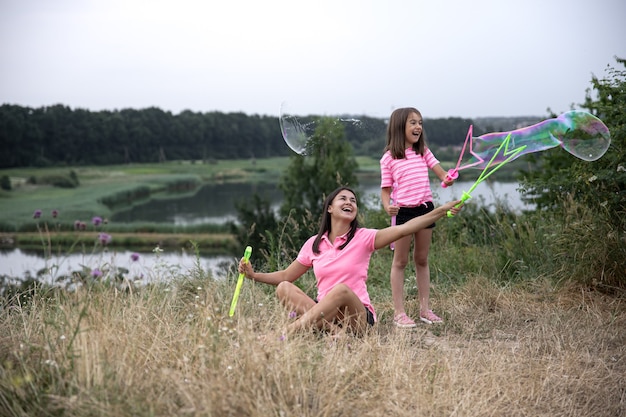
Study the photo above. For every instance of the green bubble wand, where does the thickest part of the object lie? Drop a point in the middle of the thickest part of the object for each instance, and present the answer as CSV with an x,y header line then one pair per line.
x,y
233,304
490,168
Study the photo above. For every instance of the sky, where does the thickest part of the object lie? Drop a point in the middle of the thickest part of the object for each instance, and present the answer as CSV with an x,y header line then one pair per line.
x,y
456,58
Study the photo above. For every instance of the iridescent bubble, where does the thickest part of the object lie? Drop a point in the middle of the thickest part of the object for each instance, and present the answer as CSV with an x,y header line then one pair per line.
x,y
578,132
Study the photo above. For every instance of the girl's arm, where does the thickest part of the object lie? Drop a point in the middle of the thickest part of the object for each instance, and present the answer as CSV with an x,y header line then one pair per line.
x,y
291,273
441,174
385,198
390,234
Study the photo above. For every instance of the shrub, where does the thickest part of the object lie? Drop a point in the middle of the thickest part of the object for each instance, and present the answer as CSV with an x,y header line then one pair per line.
x,y
5,183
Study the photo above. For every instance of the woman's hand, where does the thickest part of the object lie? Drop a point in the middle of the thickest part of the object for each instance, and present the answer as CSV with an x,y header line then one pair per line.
x,y
452,207
245,267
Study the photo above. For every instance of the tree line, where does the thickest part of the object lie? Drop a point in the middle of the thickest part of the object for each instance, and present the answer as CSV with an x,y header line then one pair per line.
x,y
60,136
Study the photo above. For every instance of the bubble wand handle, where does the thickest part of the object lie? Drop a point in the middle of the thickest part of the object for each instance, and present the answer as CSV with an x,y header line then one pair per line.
x,y
233,303
490,168
392,245
451,175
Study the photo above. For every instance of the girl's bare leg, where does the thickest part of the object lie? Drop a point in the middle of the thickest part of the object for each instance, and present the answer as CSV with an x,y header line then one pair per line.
x,y
398,265
422,270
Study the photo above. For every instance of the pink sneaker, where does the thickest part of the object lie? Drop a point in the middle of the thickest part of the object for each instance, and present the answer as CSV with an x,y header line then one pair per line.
x,y
429,317
403,321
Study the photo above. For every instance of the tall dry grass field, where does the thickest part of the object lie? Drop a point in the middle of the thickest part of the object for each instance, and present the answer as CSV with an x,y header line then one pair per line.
x,y
171,349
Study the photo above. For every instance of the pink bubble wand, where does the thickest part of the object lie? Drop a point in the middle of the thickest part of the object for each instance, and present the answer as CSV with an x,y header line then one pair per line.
x,y
392,245
453,173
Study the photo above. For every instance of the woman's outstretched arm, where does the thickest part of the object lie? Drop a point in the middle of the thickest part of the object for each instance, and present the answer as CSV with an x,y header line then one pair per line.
x,y
390,234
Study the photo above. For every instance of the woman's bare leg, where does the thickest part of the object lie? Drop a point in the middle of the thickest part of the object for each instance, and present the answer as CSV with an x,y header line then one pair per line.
x,y
340,304
293,298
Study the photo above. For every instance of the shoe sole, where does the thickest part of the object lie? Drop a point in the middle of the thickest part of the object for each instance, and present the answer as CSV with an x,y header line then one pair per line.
x,y
405,326
425,320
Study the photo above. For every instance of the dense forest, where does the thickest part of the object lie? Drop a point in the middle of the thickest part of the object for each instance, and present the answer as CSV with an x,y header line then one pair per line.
x,y
60,136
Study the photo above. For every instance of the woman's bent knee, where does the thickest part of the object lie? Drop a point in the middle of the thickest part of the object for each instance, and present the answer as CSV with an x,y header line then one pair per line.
x,y
283,289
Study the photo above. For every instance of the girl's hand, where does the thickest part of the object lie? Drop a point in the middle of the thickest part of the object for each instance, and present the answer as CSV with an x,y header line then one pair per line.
x,y
392,210
448,181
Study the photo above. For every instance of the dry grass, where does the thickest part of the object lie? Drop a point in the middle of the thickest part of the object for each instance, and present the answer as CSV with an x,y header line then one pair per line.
x,y
525,351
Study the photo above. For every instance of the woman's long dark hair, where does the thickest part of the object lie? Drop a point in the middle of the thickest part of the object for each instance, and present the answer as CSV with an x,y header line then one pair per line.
x,y
325,223
396,136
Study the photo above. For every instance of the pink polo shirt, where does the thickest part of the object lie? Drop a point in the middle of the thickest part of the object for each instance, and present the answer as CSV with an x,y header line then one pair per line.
x,y
348,266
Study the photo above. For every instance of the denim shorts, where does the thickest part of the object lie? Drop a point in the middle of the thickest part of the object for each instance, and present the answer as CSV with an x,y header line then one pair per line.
x,y
407,213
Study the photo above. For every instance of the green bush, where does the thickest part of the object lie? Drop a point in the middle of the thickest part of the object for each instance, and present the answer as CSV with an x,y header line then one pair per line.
x,y
585,202
5,183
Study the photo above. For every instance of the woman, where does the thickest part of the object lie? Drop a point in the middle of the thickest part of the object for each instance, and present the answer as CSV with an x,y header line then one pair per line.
x,y
339,255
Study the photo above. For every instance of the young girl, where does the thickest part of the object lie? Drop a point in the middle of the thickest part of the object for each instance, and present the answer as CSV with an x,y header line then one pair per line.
x,y
405,163
339,255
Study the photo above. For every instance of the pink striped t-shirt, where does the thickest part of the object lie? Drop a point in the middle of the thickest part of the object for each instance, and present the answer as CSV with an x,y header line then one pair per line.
x,y
410,175
349,265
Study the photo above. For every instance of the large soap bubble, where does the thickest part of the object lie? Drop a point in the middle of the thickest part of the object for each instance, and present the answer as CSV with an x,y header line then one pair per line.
x,y
578,132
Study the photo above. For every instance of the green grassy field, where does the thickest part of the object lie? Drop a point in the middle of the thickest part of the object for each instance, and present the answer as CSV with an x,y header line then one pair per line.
x,y
115,183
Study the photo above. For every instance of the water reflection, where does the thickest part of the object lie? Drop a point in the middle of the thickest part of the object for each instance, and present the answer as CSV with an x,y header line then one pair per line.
x,y
213,203
149,267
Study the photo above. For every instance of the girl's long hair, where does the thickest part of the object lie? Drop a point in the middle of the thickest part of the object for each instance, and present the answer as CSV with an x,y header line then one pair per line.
x,y
396,133
325,223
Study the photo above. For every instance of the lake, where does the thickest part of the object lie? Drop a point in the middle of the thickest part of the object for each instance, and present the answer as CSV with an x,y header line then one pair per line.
x,y
19,263
216,204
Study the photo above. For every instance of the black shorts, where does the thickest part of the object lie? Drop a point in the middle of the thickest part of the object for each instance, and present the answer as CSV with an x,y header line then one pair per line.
x,y
407,213
370,316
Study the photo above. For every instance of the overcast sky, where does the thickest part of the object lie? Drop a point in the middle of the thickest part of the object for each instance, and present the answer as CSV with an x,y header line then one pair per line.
x,y
325,57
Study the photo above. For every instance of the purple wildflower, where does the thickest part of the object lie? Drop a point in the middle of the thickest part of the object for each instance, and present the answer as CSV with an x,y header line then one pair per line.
x,y
96,273
292,314
55,213
77,225
97,221
37,214
104,238
134,257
